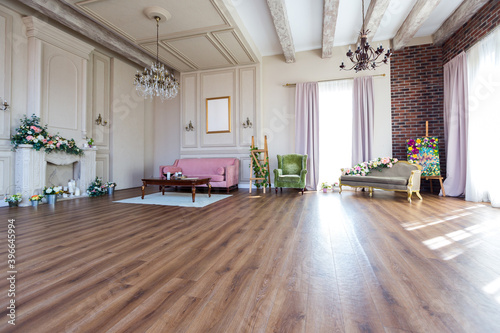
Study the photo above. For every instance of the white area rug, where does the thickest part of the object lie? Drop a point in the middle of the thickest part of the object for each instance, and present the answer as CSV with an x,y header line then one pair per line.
x,y
176,199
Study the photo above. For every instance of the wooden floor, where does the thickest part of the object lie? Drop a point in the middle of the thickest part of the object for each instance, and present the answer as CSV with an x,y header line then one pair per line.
x,y
256,263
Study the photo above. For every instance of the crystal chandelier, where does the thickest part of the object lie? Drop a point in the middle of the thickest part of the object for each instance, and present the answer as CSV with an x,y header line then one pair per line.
x,y
365,57
156,80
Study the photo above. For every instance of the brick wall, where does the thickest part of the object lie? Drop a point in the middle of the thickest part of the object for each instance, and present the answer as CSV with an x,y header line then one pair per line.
x,y
484,21
417,82
417,97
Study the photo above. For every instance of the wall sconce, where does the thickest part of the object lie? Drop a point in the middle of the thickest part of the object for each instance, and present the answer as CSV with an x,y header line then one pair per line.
x,y
4,106
247,123
190,127
101,122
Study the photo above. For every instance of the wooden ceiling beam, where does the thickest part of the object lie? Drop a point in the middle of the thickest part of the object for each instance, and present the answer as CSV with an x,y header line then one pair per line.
x,y
374,16
418,15
81,24
459,17
282,26
330,14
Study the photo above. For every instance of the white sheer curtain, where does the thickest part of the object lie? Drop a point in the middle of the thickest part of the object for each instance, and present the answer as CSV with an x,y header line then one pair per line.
x,y
335,128
483,158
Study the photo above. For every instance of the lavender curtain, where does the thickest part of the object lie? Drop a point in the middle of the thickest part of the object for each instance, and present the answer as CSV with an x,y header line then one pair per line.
x,y
306,128
456,105
362,119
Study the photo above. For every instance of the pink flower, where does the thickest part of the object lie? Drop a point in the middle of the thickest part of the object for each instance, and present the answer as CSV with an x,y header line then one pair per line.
x,y
29,137
44,140
58,144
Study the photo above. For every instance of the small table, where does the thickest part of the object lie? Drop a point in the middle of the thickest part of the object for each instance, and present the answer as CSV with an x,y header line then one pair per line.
x,y
176,182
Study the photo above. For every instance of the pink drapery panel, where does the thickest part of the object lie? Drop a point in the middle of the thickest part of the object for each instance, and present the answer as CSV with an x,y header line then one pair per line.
x,y
306,128
456,105
362,119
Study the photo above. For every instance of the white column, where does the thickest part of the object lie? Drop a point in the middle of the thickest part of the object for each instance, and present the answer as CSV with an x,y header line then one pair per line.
x,y
87,169
30,170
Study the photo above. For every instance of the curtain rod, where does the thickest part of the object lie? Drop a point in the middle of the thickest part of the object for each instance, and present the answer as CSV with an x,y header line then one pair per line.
x,y
347,78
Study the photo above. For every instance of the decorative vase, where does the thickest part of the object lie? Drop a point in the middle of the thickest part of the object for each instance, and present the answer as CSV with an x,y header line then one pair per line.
x,y
324,190
51,199
35,203
13,203
111,190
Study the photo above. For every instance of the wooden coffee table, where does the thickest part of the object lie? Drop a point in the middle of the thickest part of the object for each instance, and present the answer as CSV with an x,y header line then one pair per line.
x,y
176,182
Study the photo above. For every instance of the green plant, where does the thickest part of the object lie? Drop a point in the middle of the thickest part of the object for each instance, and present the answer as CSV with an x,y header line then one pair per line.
x,y
32,133
14,198
325,185
262,171
90,142
96,188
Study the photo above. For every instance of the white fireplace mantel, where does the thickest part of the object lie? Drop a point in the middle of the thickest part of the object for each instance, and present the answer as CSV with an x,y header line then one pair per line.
x,y
31,166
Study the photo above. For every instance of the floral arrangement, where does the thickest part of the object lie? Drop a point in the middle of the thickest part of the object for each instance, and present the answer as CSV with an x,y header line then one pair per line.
x,y
36,197
325,185
14,198
96,189
32,133
110,184
52,190
364,168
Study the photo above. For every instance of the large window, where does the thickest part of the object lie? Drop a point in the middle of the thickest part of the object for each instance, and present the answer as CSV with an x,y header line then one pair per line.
x,y
483,158
335,128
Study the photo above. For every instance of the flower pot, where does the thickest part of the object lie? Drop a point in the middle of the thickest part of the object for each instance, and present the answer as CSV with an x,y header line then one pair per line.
x,y
35,203
13,204
111,190
324,190
51,199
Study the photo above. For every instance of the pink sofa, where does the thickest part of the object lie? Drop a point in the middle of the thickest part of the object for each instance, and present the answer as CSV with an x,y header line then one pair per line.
x,y
224,172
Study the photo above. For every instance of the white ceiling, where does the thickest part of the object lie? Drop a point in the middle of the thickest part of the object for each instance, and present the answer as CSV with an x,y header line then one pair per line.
x,y
211,34
306,22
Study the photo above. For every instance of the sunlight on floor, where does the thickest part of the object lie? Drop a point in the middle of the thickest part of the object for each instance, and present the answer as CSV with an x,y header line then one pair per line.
x,y
436,243
493,288
463,238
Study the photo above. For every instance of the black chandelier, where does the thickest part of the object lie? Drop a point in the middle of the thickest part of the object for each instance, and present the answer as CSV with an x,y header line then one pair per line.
x,y
365,57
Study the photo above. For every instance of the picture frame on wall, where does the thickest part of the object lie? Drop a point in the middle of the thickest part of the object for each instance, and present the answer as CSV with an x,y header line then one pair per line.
x,y
218,115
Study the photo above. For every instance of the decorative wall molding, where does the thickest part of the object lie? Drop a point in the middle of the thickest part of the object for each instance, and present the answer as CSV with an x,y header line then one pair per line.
x,y
49,34
5,71
48,47
219,84
247,104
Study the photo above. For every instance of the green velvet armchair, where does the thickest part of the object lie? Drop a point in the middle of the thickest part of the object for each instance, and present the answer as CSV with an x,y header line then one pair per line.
x,y
291,172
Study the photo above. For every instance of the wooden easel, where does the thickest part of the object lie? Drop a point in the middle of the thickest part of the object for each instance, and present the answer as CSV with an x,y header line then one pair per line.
x,y
254,154
430,178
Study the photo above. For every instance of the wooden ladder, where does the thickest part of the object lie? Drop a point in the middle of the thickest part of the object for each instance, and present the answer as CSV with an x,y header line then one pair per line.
x,y
254,154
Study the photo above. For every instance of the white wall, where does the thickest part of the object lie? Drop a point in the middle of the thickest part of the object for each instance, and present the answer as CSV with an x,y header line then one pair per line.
x,y
278,102
128,127
167,129
131,119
